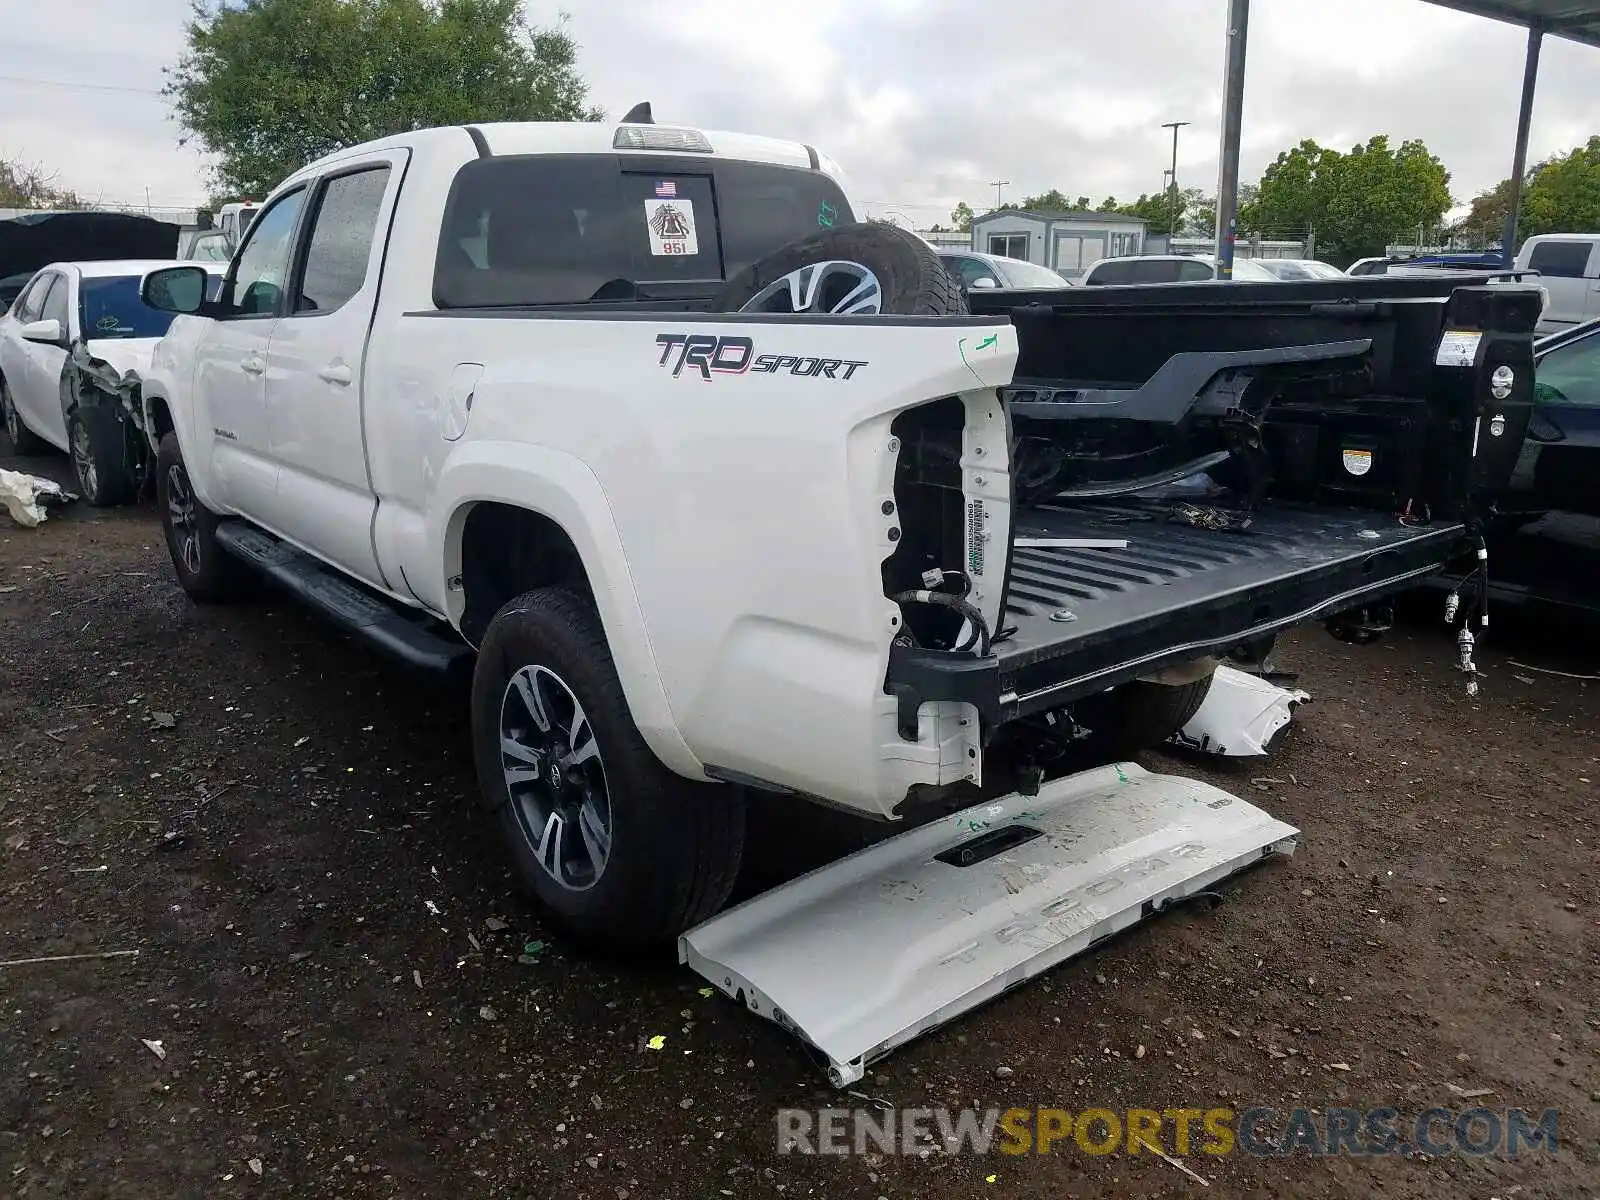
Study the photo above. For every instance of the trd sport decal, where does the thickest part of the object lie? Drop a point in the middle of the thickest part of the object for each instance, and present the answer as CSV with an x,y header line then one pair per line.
x,y
707,353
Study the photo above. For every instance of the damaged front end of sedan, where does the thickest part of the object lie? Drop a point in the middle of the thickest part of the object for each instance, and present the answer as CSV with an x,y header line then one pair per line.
x,y
105,425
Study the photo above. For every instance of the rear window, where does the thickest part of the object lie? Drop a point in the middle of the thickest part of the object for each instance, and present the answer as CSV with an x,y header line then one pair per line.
x,y
1564,260
569,230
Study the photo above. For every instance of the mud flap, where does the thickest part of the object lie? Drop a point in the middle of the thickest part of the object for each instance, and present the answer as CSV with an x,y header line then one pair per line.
x,y
869,952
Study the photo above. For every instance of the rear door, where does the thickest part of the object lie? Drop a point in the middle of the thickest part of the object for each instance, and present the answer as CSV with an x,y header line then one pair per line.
x,y
231,362
1559,467
324,498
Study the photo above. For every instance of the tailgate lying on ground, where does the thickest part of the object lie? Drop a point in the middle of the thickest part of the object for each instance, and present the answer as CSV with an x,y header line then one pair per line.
x,y
869,952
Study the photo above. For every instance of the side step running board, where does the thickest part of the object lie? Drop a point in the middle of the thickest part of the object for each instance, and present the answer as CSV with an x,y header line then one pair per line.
x,y
360,612
869,952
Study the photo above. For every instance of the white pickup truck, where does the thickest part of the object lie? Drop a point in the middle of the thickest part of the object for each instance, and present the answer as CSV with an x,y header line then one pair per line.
x,y
722,495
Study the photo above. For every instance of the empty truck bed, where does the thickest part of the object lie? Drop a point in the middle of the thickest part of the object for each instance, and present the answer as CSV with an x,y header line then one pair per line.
x,y
1080,620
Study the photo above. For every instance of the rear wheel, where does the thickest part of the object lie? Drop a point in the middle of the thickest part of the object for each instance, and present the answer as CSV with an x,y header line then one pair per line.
x,y
864,269
619,851
98,442
1138,716
205,570
23,439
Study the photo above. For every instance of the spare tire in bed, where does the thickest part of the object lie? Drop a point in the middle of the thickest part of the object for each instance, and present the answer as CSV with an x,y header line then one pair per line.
x,y
866,269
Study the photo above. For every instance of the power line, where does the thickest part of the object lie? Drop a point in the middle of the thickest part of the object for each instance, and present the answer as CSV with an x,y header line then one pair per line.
x,y
78,87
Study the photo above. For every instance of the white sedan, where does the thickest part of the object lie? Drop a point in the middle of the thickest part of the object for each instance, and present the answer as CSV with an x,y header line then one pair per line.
x,y
73,347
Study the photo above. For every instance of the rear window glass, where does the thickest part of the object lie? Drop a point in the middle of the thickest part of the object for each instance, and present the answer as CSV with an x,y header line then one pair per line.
x,y
1564,260
568,230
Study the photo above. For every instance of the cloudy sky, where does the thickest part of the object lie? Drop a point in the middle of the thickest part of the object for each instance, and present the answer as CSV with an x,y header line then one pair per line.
x,y
922,101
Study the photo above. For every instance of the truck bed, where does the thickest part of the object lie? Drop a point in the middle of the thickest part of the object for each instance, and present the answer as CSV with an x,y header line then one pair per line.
x,y
1079,621
1085,619
1324,409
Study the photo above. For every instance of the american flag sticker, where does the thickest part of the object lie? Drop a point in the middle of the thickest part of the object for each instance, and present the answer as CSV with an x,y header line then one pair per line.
x,y
666,188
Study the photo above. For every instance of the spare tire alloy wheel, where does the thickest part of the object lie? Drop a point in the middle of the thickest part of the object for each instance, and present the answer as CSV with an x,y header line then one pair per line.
x,y
828,287
861,270
555,777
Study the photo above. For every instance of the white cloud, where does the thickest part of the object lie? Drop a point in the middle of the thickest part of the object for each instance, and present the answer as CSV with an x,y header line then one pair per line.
x,y
923,101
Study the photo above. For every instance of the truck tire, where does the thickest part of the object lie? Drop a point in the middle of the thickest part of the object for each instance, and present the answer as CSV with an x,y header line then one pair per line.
x,y
1138,716
23,440
205,570
621,853
98,443
865,269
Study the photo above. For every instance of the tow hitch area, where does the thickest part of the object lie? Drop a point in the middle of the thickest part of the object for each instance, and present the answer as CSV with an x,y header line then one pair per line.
x,y
869,952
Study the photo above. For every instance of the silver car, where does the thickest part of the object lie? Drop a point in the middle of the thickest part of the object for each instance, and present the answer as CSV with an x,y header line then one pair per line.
x,y
976,270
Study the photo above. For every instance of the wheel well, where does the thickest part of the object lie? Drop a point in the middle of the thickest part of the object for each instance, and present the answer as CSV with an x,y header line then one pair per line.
x,y
506,551
160,418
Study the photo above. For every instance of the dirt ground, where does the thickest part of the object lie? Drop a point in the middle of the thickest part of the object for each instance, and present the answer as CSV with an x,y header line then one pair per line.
x,y
333,963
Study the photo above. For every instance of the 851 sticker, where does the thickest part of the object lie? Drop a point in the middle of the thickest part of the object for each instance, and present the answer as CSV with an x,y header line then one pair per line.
x,y
671,225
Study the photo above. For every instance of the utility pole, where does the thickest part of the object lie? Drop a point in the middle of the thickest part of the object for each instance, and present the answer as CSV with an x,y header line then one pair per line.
x,y
1174,126
997,185
1232,126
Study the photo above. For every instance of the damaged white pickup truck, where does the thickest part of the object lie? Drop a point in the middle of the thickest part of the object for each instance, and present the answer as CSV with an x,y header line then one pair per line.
x,y
723,496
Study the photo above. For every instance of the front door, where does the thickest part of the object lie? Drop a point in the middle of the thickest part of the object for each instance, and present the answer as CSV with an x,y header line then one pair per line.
x,y
325,499
1559,467
39,400
231,363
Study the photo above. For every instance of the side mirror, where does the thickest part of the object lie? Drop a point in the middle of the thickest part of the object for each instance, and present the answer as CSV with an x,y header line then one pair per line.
x,y
983,281
175,289
48,332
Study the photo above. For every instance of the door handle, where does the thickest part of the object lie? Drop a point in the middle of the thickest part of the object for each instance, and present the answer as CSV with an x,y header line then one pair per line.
x,y
335,373
252,365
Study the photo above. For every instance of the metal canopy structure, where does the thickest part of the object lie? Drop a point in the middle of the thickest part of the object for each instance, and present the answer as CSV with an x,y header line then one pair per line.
x,y
1575,20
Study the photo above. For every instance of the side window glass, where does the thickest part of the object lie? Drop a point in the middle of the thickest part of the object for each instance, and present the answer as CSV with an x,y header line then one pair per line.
x,y
1157,271
1570,375
340,246
32,302
1564,260
262,268
55,304
974,269
1193,272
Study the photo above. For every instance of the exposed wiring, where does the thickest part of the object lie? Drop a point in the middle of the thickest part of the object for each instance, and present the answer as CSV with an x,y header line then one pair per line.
x,y
979,635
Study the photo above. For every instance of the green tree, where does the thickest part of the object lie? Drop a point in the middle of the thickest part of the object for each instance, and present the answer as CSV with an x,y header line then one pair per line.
x,y
961,217
1485,224
1563,193
30,187
1355,203
1199,213
269,85
1559,195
